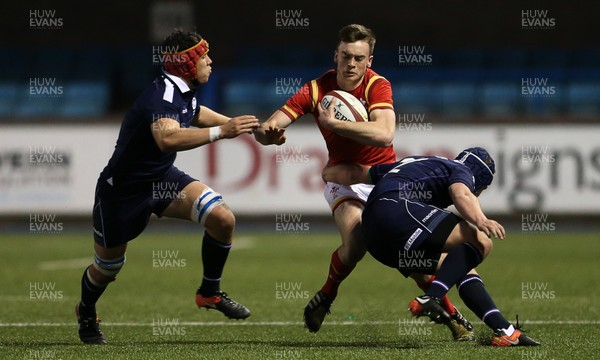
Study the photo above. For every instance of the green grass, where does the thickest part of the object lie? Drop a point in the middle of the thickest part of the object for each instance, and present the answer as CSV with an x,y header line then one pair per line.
x,y
368,320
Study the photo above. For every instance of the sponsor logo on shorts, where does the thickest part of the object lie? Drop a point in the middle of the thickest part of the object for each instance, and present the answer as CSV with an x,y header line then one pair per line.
x,y
412,239
429,215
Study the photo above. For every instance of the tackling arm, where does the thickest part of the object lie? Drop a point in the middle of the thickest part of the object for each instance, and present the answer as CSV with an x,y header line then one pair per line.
x,y
170,136
272,130
468,206
207,117
378,131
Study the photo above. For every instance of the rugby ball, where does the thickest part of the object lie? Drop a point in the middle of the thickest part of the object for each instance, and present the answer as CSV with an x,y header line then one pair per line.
x,y
347,107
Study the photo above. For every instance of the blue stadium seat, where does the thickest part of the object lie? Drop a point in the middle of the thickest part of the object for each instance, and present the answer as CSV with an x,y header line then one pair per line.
x,y
458,98
415,98
498,99
8,98
85,99
583,99
30,104
247,96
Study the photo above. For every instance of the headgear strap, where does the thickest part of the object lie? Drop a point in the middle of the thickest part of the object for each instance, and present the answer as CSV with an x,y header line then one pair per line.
x,y
183,63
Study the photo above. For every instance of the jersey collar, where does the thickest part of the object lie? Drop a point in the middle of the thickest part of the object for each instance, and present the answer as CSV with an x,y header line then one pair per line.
x,y
181,85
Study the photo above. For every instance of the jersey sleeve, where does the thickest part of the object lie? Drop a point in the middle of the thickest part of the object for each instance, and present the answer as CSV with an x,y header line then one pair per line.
x,y
461,174
161,106
379,94
376,172
302,102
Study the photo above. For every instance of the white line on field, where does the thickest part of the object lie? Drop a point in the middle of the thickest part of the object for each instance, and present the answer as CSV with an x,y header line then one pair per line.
x,y
240,243
65,264
284,323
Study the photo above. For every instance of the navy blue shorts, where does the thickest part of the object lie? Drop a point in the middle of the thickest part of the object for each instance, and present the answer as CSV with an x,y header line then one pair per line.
x,y
121,213
406,235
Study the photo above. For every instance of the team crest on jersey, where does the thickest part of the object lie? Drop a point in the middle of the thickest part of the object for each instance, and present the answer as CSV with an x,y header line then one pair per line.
x,y
194,106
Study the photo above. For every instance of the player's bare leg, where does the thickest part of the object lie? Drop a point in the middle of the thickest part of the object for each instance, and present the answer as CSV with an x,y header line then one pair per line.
x,y
206,207
96,277
347,218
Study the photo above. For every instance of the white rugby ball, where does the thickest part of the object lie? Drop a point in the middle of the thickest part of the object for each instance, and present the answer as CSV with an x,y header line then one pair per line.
x,y
347,106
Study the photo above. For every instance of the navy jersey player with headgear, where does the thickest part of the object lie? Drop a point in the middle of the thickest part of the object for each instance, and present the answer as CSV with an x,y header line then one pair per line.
x,y
140,179
407,228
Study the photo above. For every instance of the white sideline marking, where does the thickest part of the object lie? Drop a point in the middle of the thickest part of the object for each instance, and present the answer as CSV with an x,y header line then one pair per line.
x,y
66,264
242,242
285,323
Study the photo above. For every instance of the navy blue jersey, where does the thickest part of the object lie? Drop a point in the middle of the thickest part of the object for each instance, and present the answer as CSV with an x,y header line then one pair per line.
x,y
137,157
424,179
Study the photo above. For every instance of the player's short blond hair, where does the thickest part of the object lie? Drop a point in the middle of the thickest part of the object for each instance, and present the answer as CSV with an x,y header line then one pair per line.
x,y
356,32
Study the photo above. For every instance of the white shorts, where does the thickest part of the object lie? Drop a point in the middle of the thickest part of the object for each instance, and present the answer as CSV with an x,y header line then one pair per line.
x,y
335,194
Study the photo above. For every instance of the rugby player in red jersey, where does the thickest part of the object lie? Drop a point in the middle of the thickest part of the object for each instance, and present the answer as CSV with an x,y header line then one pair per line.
x,y
365,143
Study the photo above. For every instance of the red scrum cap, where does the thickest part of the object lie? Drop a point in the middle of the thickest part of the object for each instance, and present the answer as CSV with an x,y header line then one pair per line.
x,y
183,63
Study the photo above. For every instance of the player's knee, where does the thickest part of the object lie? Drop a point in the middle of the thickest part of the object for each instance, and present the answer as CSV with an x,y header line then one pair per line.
x,y
221,220
107,270
486,245
480,242
205,204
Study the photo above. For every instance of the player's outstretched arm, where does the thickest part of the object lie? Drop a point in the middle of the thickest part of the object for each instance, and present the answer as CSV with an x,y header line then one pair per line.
x,y
170,137
272,131
207,117
378,131
347,174
468,206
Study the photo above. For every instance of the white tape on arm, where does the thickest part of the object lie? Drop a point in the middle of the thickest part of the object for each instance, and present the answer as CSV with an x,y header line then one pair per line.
x,y
214,133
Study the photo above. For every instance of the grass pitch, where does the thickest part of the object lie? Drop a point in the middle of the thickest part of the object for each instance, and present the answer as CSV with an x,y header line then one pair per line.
x,y
550,280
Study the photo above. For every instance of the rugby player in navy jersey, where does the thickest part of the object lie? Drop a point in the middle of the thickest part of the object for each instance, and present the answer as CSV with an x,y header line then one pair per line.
x,y
140,179
407,228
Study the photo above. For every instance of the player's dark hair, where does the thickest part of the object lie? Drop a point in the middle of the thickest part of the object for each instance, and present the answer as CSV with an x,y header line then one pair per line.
x,y
356,32
182,39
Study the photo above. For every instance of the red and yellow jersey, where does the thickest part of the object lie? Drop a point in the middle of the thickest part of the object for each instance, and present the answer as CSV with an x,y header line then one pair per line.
x,y
375,92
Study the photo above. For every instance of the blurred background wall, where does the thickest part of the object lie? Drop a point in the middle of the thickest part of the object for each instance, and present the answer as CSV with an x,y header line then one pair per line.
x,y
519,77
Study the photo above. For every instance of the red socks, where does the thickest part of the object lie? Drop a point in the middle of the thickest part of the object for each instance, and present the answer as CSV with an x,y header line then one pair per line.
x,y
337,273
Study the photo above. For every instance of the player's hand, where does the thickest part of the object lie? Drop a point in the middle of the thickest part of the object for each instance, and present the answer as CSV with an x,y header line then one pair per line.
x,y
275,135
492,229
326,116
238,125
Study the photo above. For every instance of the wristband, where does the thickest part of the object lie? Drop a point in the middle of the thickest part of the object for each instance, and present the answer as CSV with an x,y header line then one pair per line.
x,y
214,133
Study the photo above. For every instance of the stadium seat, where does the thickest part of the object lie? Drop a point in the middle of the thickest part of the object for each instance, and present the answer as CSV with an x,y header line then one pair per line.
x,y
85,99
583,99
247,96
415,98
498,99
8,97
31,105
458,99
